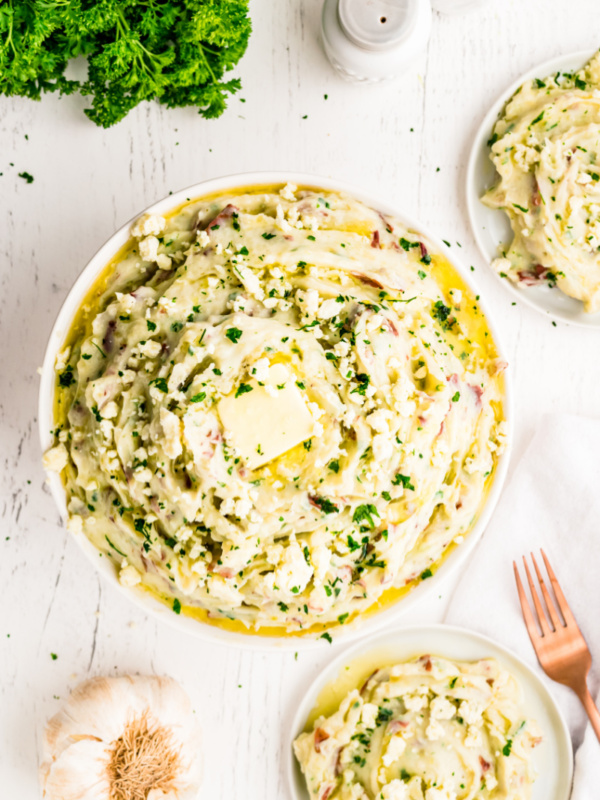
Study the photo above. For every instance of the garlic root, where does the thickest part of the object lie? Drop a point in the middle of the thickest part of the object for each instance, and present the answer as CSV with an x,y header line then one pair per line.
x,y
129,738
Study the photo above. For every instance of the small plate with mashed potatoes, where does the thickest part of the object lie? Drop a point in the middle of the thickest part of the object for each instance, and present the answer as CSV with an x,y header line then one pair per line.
x,y
429,713
533,188
274,409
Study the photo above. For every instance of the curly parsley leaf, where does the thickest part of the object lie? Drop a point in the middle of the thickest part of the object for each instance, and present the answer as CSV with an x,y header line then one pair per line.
x,y
173,51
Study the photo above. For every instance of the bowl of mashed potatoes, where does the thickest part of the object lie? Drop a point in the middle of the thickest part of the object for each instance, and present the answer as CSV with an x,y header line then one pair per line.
x,y
275,409
533,188
428,713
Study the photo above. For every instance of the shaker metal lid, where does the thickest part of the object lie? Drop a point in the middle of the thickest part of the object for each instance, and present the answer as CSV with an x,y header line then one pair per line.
x,y
377,24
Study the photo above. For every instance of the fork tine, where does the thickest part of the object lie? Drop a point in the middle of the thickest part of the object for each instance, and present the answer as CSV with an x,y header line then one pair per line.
x,y
561,600
532,629
556,622
541,617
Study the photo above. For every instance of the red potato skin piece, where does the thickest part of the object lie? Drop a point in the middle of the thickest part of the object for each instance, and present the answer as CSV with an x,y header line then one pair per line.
x,y
363,688
539,274
365,279
388,226
375,240
478,392
337,770
485,765
536,740
222,216
320,736
396,725
391,327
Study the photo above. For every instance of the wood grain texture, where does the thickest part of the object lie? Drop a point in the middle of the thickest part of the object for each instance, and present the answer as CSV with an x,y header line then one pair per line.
x,y
389,141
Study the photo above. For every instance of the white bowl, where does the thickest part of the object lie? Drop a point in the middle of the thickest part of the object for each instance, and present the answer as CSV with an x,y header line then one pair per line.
x,y
46,420
491,226
552,759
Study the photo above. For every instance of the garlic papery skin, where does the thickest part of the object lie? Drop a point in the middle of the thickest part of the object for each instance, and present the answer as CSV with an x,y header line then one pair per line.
x,y
128,738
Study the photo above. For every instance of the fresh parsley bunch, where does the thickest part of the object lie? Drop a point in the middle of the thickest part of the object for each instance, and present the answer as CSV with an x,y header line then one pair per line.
x,y
175,51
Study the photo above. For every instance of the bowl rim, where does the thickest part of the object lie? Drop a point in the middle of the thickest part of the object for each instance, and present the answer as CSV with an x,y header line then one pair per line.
x,y
146,601
301,708
472,189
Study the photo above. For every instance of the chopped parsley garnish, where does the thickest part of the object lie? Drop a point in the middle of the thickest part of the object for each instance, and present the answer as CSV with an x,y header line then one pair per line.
x,y
326,506
327,637
150,325
524,210
507,748
233,334
243,388
334,466
161,384
268,236
364,380
456,397
365,513
383,715
442,313
116,549
406,245
403,480
197,398
176,606
67,378
427,573
539,118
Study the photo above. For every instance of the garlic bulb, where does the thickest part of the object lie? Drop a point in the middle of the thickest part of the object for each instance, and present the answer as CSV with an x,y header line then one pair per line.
x,y
130,738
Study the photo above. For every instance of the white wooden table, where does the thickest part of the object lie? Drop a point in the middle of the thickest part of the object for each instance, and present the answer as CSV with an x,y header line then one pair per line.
x,y
390,141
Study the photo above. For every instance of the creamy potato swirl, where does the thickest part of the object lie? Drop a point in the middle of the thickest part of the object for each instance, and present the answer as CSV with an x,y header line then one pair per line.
x,y
426,729
545,149
271,411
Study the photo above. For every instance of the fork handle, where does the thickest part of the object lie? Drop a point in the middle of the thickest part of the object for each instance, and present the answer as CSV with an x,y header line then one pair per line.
x,y
590,709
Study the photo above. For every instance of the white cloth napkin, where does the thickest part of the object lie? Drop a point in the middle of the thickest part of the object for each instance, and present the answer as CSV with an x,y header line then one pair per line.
x,y
552,500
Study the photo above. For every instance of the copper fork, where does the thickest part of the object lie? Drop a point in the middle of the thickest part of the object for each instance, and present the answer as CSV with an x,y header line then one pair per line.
x,y
560,647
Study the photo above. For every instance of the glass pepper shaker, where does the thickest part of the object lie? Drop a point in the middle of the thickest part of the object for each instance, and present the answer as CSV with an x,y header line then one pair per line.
x,y
372,41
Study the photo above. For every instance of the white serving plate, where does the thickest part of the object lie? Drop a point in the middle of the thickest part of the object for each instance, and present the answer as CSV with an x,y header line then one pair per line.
x,y
552,759
185,624
491,227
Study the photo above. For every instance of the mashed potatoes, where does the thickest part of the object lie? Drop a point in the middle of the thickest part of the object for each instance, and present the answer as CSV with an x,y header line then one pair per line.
x,y
427,729
274,407
545,149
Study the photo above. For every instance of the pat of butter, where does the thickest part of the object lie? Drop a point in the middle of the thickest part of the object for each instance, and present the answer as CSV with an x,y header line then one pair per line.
x,y
263,425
